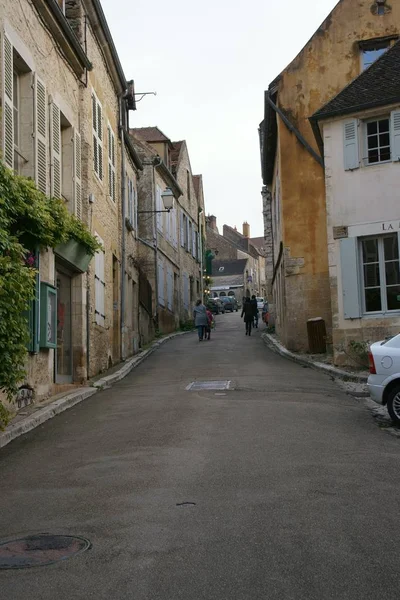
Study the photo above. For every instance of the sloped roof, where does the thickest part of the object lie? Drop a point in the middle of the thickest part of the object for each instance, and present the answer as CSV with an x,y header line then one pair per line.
x,y
176,150
258,242
230,280
228,267
150,134
379,85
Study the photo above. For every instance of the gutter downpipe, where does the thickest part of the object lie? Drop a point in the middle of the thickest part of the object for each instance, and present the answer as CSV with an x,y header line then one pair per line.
x,y
123,251
155,235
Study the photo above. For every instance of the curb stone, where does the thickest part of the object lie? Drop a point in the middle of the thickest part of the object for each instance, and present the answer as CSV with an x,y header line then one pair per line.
x,y
68,401
318,366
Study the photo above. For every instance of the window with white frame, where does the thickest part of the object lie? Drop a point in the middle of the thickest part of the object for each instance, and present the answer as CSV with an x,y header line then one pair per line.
x,y
97,127
380,273
377,133
100,285
380,141
111,162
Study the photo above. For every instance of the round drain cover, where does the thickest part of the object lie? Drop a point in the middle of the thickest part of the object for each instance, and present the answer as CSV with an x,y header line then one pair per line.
x,y
40,550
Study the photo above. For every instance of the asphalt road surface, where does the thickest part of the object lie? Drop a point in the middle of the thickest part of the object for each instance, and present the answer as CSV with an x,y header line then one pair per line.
x,y
280,488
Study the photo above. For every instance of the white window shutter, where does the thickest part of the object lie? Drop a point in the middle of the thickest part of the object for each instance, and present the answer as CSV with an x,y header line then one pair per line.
x,y
41,135
135,208
187,234
194,242
111,163
8,102
77,175
350,278
350,142
182,228
395,134
161,284
55,151
169,288
99,277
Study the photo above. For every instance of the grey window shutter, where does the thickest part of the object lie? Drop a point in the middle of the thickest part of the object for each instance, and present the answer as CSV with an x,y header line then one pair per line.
x,y
350,278
395,131
351,153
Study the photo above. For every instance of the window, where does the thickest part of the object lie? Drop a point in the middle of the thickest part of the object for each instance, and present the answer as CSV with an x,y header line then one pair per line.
x,y
380,273
170,288
378,140
111,163
100,285
372,51
160,273
97,120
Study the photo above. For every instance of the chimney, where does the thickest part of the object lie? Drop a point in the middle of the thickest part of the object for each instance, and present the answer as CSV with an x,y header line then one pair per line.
x,y
246,230
212,222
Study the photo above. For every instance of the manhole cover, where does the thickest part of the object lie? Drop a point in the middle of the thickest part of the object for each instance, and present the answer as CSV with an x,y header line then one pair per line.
x,y
40,550
208,385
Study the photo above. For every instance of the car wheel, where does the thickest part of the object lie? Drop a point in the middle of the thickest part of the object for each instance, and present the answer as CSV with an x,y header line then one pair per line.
x,y
393,403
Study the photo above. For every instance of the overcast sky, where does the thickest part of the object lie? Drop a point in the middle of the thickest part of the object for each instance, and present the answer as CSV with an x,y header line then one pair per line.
x,y
209,63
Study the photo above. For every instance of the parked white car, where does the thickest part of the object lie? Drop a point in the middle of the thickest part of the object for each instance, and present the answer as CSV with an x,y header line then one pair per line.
x,y
384,379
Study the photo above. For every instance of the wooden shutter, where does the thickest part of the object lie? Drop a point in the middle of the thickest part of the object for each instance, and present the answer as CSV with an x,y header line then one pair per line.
x,y
97,124
350,278
160,268
135,208
350,140
40,135
111,163
100,137
182,228
395,134
198,247
187,234
194,242
158,208
55,151
169,288
8,102
77,175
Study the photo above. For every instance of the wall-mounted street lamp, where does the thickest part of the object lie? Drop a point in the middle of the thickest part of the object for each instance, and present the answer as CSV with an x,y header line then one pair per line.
x,y
168,200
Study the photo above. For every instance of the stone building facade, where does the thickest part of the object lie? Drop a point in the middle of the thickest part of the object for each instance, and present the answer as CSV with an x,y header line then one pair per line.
x,y
233,245
352,36
64,131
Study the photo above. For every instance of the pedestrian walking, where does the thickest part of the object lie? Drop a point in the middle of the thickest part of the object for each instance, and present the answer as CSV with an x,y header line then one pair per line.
x,y
210,323
200,319
265,313
248,314
255,310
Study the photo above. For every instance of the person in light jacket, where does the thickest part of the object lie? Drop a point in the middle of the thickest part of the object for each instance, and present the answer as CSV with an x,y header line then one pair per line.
x,y
200,319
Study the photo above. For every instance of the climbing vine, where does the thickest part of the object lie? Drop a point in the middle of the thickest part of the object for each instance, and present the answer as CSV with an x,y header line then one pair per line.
x,y
29,220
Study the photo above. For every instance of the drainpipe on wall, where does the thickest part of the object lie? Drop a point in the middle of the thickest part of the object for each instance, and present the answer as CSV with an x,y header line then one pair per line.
x,y
123,252
156,162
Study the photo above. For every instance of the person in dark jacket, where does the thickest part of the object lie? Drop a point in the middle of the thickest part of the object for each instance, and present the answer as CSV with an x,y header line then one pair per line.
x,y
248,313
255,310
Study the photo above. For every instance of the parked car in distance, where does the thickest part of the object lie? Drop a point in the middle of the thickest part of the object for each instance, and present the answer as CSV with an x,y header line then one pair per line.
x,y
229,303
260,302
215,305
384,378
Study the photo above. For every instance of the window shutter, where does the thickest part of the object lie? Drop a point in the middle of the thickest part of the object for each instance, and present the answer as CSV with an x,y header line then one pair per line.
x,y
198,247
182,226
169,289
111,162
158,207
55,151
135,208
395,126
194,242
350,135
8,102
77,175
187,234
161,284
40,135
350,278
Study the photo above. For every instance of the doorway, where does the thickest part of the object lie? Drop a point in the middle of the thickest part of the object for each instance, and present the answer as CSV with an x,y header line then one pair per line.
x,y
63,362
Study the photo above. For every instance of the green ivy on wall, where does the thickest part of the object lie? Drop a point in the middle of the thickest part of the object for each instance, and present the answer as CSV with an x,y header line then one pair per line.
x,y
29,220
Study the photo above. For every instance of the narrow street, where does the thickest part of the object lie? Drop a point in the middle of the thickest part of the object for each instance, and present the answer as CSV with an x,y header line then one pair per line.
x,y
280,488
